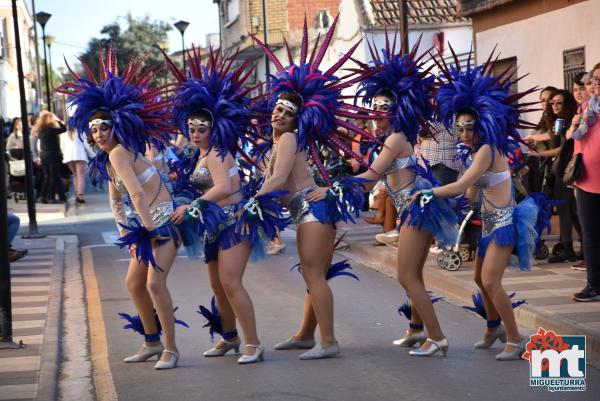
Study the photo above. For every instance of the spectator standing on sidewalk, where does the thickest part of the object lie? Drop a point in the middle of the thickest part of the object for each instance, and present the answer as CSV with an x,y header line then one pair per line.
x,y
76,155
588,189
440,152
582,96
49,127
562,105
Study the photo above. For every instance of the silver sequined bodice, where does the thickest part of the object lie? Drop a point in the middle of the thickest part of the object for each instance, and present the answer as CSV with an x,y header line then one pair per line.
x,y
299,207
120,185
202,179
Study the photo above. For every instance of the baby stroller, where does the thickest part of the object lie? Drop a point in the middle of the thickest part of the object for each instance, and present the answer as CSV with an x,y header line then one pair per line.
x,y
466,243
16,173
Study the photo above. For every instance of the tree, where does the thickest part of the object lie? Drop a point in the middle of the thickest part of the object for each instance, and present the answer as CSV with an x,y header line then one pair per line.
x,y
139,38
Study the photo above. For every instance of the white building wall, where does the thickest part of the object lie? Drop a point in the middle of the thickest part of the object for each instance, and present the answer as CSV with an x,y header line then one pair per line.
x,y
538,44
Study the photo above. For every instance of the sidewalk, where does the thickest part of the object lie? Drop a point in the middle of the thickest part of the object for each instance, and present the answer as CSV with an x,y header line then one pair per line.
x,y
30,373
547,288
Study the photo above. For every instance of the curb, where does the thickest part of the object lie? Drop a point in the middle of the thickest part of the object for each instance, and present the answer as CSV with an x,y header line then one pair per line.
x,y
526,316
47,389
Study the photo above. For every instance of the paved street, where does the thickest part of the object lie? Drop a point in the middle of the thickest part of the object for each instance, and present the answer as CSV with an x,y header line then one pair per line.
x,y
366,323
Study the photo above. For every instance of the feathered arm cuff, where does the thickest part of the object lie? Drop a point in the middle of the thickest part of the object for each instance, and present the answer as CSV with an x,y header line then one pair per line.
x,y
262,217
204,216
345,199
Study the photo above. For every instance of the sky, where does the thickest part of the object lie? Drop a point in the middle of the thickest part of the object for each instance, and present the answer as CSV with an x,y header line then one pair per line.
x,y
75,22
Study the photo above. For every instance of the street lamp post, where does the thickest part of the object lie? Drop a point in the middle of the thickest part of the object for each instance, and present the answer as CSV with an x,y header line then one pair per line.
x,y
49,41
266,38
42,18
181,27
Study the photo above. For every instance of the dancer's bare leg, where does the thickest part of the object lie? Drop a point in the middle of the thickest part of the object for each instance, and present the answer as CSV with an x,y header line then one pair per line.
x,y
413,242
137,276
494,265
309,320
232,265
315,262
223,305
157,285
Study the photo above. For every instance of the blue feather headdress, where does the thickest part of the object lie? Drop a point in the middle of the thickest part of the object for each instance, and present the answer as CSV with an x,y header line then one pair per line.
x,y
137,111
488,97
322,110
410,84
218,90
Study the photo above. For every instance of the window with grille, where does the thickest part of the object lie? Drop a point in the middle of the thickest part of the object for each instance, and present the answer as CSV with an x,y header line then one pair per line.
x,y
573,64
501,66
3,38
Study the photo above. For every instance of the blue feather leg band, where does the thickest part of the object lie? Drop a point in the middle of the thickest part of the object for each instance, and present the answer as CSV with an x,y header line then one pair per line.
x,y
213,318
139,236
134,322
478,307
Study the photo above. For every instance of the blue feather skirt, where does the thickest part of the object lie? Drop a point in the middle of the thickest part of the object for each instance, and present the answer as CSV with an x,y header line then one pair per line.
x,y
258,225
440,217
201,221
139,236
343,203
512,226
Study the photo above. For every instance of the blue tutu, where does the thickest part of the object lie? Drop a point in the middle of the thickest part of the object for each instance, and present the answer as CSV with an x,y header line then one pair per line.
x,y
520,232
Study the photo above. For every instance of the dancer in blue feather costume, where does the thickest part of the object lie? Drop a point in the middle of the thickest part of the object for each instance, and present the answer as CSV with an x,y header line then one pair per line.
x,y
479,105
400,91
211,108
124,117
306,110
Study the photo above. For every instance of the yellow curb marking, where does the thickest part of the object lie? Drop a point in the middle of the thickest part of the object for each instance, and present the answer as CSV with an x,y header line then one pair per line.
x,y
102,376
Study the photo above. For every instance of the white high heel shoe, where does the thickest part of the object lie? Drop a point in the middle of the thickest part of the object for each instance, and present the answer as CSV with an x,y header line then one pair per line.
x,y
171,363
434,346
258,356
229,345
410,339
147,353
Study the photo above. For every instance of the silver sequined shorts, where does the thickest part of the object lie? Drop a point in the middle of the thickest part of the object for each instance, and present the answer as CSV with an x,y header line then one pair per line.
x,y
299,207
161,213
495,219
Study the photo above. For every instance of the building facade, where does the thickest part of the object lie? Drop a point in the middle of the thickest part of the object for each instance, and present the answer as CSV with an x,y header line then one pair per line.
x,y
9,81
435,20
551,40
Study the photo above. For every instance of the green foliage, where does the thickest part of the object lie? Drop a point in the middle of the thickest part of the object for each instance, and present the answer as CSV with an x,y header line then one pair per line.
x,y
138,38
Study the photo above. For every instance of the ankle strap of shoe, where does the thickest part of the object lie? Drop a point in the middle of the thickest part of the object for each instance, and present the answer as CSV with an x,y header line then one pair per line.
x,y
171,352
259,346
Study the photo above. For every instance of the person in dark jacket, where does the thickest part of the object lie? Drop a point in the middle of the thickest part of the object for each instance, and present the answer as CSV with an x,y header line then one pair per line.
x,y
49,127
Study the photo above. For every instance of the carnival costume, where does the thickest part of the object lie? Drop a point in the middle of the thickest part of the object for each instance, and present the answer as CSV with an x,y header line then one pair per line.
x,y
137,119
497,118
409,83
218,90
321,112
